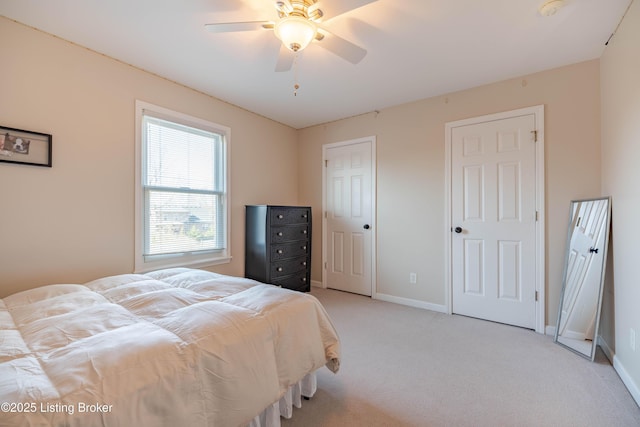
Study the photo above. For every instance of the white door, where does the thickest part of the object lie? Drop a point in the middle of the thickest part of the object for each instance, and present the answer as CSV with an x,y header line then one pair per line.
x,y
493,215
349,216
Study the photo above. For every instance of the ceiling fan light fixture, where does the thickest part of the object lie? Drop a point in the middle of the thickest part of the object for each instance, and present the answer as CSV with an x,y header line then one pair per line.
x,y
295,32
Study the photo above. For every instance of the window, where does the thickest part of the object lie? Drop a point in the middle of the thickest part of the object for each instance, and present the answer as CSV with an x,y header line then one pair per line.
x,y
181,194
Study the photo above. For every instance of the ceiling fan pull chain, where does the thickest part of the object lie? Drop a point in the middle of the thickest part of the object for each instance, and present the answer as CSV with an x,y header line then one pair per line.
x,y
296,86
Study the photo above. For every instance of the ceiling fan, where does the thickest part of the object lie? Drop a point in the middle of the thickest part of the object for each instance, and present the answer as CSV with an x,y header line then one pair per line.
x,y
300,23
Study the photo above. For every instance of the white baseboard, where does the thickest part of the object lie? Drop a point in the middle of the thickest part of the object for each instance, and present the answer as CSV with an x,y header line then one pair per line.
x,y
550,330
399,300
411,302
605,348
627,380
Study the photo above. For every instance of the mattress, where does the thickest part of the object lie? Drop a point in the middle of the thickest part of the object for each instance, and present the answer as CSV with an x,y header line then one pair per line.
x,y
171,347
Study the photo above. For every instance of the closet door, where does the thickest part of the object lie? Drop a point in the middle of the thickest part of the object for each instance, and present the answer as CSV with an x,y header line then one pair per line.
x,y
349,216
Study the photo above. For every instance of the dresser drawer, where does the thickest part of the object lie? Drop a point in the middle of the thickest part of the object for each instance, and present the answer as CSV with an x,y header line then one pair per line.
x,y
296,282
282,216
289,233
289,250
288,266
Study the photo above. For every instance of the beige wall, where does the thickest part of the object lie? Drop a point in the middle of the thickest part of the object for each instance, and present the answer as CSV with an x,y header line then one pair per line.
x,y
410,162
620,68
74,222
76,219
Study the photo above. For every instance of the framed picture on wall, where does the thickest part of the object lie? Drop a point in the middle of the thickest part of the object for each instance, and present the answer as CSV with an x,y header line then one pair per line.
x,y
25,147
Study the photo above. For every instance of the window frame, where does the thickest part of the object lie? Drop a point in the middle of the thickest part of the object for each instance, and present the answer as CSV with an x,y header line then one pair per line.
x,y
144,263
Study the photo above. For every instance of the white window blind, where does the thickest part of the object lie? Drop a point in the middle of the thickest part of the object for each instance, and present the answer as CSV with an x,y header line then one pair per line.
x,y
184,189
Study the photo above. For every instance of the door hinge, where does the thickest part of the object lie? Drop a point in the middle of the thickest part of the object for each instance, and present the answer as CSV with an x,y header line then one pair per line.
x,y
535,135
325,265
326,163
537,216
325,214
536,296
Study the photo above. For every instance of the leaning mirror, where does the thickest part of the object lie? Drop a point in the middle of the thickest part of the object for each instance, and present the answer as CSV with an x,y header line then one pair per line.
x,y
583,278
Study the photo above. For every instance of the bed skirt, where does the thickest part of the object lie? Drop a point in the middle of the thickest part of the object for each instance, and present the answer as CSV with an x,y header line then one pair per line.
x,y
270,417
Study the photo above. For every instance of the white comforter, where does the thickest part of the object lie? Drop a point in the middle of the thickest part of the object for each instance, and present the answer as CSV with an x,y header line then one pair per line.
x,y
176,347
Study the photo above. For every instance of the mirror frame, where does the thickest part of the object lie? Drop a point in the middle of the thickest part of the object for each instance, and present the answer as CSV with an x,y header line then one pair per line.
x,y
607,226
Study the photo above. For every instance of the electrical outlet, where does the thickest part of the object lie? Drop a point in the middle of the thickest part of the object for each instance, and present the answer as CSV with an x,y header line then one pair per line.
x,y
632,339
413,278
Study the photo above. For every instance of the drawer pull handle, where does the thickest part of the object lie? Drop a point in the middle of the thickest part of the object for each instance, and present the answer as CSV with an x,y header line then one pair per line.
x,y
304,279
280,216
279,269
304,231
279,233
304,262
304,248
279,251
304,216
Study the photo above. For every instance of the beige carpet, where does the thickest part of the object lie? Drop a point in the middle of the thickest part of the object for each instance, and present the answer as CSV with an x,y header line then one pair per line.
x,y
403,366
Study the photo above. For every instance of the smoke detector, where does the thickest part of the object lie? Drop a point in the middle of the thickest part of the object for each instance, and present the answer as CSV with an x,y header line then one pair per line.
x,y
550,7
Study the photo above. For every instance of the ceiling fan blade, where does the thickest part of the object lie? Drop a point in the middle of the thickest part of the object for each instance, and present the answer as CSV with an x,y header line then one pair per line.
x,y
341,47
229,27
334,8
285,59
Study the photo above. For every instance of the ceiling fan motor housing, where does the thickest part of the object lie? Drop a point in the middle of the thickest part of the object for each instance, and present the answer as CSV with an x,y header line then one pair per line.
x,y
303,8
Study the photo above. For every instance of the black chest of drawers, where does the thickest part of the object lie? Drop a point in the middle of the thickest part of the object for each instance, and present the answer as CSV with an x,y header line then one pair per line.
x,y
278,245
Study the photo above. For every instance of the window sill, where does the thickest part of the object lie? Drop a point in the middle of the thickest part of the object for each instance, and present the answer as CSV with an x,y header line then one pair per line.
x,y
176,262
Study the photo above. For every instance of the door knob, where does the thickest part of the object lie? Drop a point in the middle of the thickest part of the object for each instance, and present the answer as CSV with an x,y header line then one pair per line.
x,y
366,226
458,230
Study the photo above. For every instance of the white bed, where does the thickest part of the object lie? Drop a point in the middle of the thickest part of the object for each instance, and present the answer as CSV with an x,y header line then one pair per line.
x,y
175,347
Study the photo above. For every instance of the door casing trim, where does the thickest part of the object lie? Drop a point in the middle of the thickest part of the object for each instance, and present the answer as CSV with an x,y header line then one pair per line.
x,y
374,225
538,112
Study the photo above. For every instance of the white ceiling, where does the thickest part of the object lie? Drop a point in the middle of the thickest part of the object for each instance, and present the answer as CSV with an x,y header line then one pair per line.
x,y
416,48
